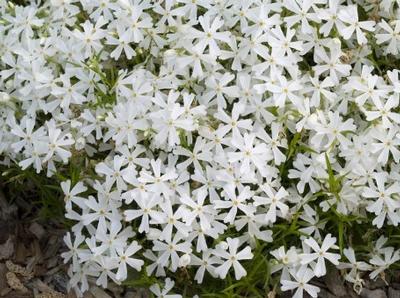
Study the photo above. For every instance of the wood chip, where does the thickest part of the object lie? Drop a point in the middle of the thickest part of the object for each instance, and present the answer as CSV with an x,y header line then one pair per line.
x,y
37,230
52,247
30,266
14,282
392,293
7,249
21,252
335,283
47,291
378,293
17,269
51,295
71,294
4,291
3,272
99,293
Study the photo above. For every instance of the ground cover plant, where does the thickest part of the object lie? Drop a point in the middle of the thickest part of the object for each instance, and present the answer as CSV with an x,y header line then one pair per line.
x,y
219,148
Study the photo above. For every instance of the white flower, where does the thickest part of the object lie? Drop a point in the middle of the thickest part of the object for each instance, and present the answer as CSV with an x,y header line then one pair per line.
x,y
387,142
301,278
389,35
284,90
235,203
122,43
199,154
75,251
209,36
170,220
157,182
91,36
349,16
163,292
390,256
334,130
198,209
273,201
146,212
302,13
169,251
124,124
205,264
384,111
385,204
167,122
125,257
286,260
331,64
249,154
70,194
232,258
233,123
320,254
56,143
353,264
218,91
114,174
330,15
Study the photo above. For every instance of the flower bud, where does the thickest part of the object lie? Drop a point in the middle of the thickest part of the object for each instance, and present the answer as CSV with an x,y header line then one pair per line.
x,y
9,84
337,41
184,260
4,97
223,245
170,53
80,143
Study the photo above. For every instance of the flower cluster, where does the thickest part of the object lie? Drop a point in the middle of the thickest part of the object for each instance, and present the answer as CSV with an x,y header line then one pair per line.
x,y
205,131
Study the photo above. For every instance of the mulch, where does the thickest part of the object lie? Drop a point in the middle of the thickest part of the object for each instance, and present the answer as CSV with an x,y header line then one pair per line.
x,y
30,262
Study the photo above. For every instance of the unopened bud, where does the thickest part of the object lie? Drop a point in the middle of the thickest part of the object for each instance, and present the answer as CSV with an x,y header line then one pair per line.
x,y
184,260
223,245
4,97
80,143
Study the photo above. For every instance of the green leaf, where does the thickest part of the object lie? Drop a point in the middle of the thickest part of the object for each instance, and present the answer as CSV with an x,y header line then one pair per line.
x,y
293,144
340,231
334,185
